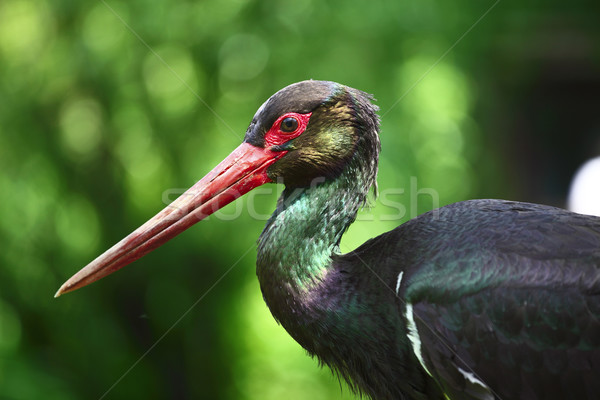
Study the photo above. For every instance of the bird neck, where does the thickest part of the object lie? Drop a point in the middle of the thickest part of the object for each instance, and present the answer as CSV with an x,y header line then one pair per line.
x,y
296,247
305,230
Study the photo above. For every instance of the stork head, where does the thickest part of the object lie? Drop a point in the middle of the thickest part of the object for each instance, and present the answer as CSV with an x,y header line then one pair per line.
x,y
307,130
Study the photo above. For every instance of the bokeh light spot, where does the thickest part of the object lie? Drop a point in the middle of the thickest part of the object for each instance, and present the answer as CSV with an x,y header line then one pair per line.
x,y
103,32
77,225
81,126
172,80
24,29
243,57
444,89
134,138
584,194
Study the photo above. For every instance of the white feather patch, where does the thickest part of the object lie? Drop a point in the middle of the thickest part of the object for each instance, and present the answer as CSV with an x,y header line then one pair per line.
x,y
472,378
413,336
399,281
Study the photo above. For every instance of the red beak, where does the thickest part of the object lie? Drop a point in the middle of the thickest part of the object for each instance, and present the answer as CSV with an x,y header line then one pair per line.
x,y
243,170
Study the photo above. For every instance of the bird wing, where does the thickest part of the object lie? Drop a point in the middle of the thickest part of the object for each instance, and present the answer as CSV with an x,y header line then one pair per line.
x,y
513,344
503,301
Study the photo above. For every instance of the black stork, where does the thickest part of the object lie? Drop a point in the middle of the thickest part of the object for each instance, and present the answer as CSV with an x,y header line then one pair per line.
x,y
482,299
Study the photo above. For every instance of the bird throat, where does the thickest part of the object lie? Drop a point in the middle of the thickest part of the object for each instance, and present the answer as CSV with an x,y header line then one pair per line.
x,y
296,248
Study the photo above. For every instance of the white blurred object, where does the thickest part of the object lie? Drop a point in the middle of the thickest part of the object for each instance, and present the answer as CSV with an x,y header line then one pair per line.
x,y
584,196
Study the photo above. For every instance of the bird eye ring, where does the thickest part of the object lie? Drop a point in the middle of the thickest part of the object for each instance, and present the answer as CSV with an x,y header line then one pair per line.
x,y
289,125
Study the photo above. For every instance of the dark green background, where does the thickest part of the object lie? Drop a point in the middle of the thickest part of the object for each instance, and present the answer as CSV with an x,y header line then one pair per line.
x,y
109,109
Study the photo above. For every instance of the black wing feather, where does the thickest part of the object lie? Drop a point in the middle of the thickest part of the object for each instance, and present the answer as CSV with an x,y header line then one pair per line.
x,y
510,293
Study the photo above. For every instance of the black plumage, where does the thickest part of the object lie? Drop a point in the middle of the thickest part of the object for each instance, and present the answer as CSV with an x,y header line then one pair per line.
x,y
505,291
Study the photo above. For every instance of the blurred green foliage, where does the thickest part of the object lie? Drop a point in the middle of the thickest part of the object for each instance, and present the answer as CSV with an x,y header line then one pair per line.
x,y
108,109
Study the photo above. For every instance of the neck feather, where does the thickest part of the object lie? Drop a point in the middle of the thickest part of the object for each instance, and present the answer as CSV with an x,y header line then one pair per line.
x,y
305,231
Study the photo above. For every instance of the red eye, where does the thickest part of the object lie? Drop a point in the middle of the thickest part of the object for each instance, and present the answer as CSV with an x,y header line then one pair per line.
x,y
289,125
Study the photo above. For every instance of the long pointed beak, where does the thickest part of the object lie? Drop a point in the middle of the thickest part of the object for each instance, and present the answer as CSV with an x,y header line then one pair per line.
x,y
243,170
